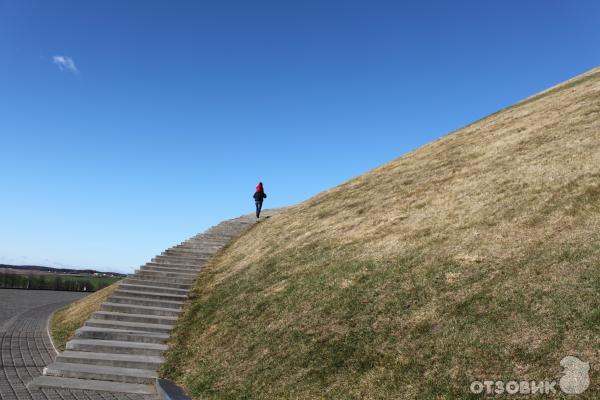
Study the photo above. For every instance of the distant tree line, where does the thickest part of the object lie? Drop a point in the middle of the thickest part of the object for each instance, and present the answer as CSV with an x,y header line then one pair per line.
x,y
61,270
51,282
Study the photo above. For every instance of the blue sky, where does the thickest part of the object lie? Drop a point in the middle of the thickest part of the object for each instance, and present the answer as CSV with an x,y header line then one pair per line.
x,y
161,116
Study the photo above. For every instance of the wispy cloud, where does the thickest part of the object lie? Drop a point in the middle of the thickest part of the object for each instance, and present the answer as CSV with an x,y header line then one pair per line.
x,y
65,63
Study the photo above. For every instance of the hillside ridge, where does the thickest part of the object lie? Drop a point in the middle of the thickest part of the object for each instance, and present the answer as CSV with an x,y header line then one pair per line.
x,y
472,257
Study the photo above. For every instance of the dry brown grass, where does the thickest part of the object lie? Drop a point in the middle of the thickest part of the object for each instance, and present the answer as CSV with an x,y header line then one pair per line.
x,y
474,256
72,316
487,182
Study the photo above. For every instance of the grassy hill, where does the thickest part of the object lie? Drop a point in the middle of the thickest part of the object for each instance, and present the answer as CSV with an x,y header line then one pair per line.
x,y
474,257
71,317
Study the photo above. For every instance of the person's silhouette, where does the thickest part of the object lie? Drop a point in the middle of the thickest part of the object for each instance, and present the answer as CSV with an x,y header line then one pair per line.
x,y
259,195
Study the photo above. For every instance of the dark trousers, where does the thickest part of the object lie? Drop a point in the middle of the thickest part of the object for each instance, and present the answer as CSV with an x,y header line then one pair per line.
x,y
258,207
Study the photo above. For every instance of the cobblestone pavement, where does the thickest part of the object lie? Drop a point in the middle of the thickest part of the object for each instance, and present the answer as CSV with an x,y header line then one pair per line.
x,y
26,348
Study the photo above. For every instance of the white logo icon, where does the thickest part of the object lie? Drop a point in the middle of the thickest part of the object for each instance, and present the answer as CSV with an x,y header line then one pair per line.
x,y
575,378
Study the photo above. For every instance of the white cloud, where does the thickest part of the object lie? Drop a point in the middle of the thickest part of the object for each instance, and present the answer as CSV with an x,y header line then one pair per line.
x,y
65,63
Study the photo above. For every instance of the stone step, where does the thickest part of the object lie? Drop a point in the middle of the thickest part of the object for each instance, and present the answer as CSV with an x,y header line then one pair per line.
x,y
172,268
209,237
155,276
144,310
101,372
137,318
171,276
134,326
185,252
170,273
192,249
200,248
124,335
155,283
199,240
51,382
171,259
144,301
212,243
217,236
179,261
153,289
183,257
151,363
186,269
218,233
188,253
150,295
116,347
154,280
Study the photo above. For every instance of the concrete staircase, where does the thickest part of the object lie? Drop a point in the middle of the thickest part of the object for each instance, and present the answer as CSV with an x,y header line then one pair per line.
x,y
120,347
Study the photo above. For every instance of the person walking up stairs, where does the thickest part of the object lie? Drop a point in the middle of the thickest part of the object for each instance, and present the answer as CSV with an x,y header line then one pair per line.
x,y
259,196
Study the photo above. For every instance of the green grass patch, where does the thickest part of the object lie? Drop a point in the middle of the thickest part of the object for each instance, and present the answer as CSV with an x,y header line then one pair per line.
x,y
383,326
474,257
71,317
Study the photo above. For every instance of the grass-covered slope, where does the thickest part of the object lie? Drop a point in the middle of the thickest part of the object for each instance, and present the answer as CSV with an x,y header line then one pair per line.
x,y
71,317
476,256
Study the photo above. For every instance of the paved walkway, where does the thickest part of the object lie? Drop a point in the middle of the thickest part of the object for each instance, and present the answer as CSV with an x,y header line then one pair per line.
x,y
26,348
